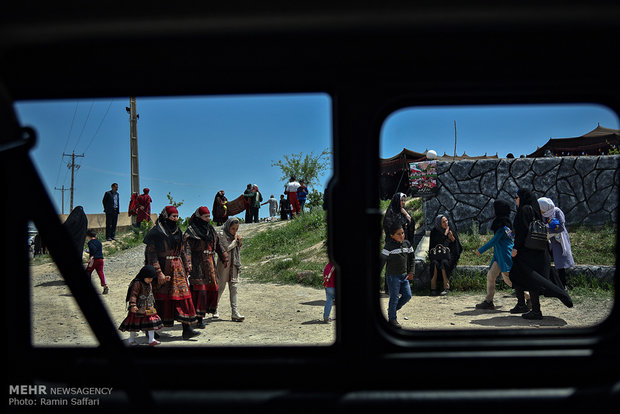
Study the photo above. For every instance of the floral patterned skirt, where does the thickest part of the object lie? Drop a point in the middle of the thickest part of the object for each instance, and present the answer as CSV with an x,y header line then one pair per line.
x,y
140,322
173,299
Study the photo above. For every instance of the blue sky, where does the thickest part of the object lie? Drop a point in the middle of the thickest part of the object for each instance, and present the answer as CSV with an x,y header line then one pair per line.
x,y
516,129
193,147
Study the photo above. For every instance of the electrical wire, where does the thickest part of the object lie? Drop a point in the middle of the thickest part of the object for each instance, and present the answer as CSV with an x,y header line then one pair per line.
x,y
66,143
98,127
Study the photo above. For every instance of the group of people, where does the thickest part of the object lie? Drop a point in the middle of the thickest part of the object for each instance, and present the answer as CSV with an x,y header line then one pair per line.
x,y
291,203
139,206
523,264
182,280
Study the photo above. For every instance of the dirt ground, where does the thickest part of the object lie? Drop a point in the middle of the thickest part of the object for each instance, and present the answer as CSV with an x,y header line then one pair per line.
x,y
278,314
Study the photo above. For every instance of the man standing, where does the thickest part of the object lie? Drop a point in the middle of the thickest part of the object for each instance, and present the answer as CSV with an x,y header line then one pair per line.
x,y
110,207
248,197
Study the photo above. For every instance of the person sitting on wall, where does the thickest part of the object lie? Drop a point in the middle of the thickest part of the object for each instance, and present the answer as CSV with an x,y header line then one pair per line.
x,y
444,252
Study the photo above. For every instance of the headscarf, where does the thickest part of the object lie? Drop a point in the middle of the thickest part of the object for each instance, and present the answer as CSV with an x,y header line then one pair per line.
x,y
547,206
502,215
437,222
235,257
198,228
527,198
164,230
146,272
549,211
395,214
170,210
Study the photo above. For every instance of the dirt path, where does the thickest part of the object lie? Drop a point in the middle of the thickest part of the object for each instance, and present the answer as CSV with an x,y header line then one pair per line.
x,y
277,314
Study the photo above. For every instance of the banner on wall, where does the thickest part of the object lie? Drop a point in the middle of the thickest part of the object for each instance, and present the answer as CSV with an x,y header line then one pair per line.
x,y
423,178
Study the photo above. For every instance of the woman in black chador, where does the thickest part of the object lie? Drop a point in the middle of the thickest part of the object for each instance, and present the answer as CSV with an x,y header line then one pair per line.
x,y
444,252
396,214
531,267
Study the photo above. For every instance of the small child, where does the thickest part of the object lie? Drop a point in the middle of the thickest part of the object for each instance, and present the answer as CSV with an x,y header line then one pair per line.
x,y
329,283
95,250
399,256
502,243
142,314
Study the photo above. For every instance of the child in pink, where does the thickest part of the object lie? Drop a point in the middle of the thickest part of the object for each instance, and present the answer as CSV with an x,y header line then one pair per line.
x,y
329,282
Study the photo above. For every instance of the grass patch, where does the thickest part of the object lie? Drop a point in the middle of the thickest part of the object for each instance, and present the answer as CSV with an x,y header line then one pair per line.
x,y
279,254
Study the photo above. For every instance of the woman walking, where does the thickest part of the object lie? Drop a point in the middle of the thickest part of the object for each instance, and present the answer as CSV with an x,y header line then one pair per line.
x,y
396,214
228,272
166,253
202,244
558,237
531,266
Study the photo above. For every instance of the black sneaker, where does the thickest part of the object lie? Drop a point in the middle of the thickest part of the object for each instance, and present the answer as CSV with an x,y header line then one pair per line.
x,y
188,332
485,304
532,315
394,323
433,292
520,309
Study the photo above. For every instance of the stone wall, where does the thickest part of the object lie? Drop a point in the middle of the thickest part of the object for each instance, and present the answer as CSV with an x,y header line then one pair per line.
x,y
585,188
97,221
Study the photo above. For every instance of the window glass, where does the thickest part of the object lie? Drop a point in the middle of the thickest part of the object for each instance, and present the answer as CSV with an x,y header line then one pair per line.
x,y
468,164
187,151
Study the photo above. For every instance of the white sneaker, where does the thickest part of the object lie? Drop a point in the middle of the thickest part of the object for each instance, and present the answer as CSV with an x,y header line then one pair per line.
x,y
236,317
216,315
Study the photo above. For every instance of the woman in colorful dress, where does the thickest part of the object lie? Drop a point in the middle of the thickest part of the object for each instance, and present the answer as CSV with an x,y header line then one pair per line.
x,y
202,244
166,253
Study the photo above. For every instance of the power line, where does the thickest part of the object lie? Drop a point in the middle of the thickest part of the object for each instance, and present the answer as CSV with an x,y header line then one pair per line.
x,y
84,126
98,127
67,142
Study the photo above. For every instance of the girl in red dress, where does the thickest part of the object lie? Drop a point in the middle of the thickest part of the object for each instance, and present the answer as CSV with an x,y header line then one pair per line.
x,y
142,314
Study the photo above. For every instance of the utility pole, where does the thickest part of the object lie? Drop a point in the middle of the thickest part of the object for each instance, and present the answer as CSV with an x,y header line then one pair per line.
x,y
455,138
62,191
133,148
73,167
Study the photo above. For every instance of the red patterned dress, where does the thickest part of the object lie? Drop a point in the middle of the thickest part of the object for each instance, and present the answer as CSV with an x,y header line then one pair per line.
x,y
202,246
172,298
145,318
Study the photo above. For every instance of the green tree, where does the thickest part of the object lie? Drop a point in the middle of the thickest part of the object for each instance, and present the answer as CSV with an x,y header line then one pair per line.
x,y
308,167
315,200
172,202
